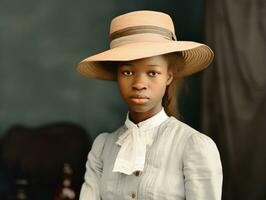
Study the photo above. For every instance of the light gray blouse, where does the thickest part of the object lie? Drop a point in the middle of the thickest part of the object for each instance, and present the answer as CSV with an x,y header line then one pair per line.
x,y
181,164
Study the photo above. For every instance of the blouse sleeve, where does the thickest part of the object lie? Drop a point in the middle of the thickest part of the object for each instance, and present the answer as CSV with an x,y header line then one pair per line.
x,y
202,169
90,189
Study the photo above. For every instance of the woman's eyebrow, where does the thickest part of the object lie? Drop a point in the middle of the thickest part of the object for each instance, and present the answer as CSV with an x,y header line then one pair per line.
x,y
126,64
152,65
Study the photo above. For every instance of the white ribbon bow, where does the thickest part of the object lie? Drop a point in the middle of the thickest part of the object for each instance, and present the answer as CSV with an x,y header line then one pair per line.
x,y
131,156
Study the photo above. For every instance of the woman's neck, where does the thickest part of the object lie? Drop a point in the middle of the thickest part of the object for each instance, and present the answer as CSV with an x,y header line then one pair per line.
x,y
137,117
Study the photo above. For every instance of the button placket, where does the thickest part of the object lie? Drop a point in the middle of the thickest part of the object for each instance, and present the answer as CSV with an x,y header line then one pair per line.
x,y
137,173
133,195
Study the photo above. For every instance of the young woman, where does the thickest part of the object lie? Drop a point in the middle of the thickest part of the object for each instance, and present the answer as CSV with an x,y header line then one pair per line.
x,y
153,155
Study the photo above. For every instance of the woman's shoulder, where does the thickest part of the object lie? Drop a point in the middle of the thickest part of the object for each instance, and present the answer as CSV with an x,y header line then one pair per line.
x,y
104,140
177,124
109,136
191,134
198,149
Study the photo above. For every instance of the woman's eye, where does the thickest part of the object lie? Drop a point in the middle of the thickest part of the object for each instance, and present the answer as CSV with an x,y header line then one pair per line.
x,y
153,73
127,73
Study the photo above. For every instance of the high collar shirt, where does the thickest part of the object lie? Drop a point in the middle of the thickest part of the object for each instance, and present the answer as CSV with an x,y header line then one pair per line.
x,y
180,164
131,156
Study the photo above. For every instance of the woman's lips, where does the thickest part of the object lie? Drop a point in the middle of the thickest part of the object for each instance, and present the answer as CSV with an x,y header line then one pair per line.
x,y
139,99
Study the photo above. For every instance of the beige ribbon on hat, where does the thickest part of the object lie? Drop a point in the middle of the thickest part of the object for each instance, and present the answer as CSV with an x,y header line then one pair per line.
x,y
145,33
143,29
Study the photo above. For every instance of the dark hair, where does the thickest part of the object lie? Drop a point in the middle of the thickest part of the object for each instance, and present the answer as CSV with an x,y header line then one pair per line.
x,y
169,102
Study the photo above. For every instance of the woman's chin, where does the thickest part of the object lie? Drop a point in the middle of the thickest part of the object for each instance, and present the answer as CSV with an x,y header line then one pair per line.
x,y
139,108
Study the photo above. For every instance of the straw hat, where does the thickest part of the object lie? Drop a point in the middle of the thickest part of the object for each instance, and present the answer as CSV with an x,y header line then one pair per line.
x,y
142,34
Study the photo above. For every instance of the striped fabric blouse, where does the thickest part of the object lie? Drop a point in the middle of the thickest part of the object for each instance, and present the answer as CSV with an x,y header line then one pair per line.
x,y
180,164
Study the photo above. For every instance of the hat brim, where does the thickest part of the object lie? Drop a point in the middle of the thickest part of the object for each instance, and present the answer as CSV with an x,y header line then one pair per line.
x,y
196,57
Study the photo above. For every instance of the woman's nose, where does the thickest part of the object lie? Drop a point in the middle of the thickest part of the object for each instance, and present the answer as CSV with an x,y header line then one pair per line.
x,y
139,83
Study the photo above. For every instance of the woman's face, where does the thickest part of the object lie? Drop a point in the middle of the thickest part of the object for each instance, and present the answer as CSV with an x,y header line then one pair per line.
x,y
142,84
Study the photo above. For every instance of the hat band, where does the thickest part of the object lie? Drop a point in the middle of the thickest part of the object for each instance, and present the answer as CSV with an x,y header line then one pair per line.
x,y
138,38
143,29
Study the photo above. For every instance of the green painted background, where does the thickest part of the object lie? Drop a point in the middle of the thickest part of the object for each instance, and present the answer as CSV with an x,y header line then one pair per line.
x,y
42,41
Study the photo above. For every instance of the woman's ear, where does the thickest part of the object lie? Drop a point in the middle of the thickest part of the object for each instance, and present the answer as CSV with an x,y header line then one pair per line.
x,y
170,77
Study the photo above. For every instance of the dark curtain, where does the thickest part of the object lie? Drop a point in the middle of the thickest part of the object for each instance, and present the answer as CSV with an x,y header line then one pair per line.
x,y
234,94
